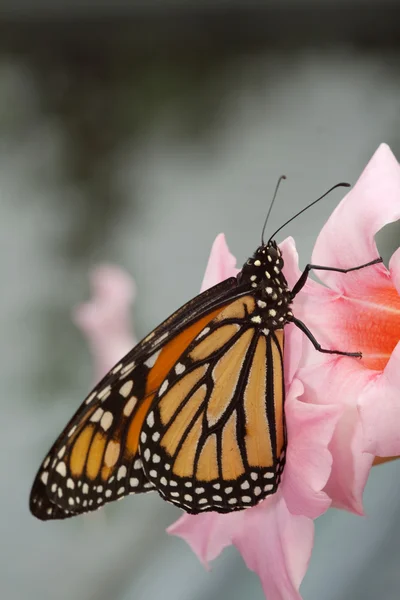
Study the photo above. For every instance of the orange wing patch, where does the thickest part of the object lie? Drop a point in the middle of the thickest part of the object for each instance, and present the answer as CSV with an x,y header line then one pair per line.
x,y
172,351
225,375
258,437
237,309
179,426
207,466
232,463
279,392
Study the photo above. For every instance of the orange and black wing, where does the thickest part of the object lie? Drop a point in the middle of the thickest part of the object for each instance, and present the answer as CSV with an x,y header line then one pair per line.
x,y
214,438
97,457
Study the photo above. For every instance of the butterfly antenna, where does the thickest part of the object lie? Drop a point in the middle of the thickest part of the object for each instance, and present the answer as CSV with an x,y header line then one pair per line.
x,y
342,184
270,207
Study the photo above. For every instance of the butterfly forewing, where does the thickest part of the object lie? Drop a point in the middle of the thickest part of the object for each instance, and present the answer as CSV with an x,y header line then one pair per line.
x,y
96,458
214,437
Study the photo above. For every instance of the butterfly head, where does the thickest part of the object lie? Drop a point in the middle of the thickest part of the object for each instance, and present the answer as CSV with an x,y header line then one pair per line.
x,y
265,264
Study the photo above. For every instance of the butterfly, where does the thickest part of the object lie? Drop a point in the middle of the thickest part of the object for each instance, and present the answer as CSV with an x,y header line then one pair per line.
x,y
195,411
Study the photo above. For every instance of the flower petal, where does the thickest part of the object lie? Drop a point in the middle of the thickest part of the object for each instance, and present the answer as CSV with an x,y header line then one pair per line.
x,y
340,381
379,408
274,543
105,319
347,239
308,461
221,264
277,546
207,534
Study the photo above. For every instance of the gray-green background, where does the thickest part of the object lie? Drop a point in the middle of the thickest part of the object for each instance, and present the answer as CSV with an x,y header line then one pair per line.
x,y
135,133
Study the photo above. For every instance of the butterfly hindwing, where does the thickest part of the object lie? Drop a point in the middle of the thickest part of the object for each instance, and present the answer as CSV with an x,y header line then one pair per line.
x,y
214,438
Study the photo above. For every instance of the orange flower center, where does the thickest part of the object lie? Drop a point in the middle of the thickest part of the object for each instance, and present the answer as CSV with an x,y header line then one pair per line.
x,y
372,324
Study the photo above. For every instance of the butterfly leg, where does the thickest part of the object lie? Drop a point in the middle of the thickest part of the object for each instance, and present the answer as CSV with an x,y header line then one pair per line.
x,y
317,345
304,276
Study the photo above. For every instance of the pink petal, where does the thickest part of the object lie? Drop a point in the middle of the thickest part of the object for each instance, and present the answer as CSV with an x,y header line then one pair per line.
x,y
308,306
221,264
277,546
105,320
379,408
341,381
274,543
291,261
347,239
207,534
308,462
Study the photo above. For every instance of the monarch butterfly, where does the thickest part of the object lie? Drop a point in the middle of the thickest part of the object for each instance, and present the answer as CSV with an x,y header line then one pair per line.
x,y
195,411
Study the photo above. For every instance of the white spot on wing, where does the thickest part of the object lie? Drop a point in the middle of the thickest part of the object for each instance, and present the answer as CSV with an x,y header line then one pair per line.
x,y
44,477
71,431
62,469
125,389
127,369
202,333
163,387
129,406
104,393
179,368
106,420
121,472
90,398
97,415
151,361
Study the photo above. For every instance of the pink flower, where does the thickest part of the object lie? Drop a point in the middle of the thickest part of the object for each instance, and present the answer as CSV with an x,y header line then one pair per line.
x,y
341,412
358,311
275,538
105,319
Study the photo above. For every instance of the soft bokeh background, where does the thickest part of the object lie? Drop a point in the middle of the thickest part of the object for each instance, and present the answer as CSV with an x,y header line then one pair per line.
x,y
135,133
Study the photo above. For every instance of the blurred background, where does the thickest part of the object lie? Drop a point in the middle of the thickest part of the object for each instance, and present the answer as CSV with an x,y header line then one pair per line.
x,y
135,132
